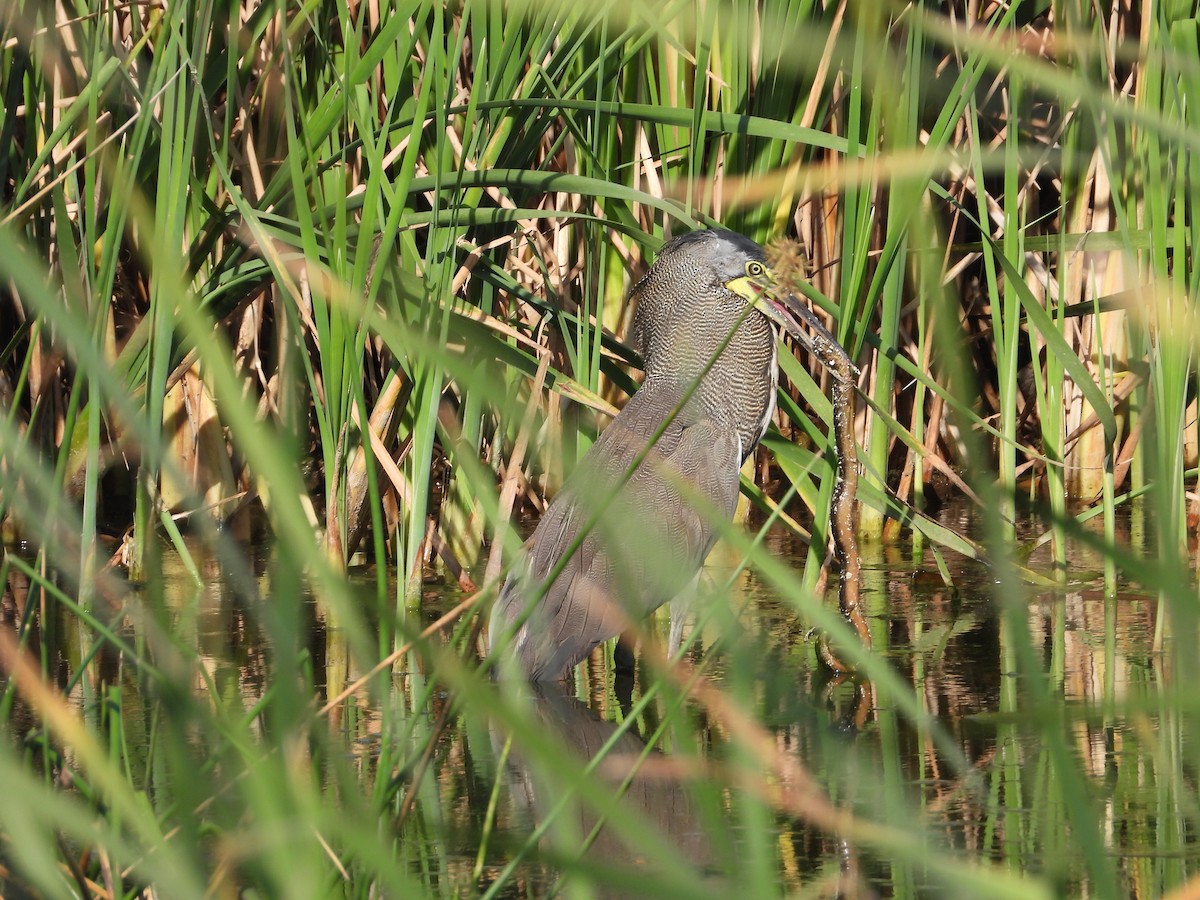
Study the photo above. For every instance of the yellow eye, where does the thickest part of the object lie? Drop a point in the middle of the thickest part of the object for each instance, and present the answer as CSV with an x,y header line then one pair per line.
x,y
755,269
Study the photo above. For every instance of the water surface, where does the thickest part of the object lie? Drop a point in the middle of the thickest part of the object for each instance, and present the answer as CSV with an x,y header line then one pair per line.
x,y
481,785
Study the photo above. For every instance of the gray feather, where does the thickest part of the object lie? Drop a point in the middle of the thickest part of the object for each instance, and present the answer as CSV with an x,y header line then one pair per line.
x,y
650,539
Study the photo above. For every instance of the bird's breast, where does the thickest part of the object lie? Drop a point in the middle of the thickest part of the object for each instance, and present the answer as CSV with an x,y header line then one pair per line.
x,y
769,413
740,390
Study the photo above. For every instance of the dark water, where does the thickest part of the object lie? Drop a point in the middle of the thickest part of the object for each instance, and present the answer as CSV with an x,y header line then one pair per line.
x,y
1019,728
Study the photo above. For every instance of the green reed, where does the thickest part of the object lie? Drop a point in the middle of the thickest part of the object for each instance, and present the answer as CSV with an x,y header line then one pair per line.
x,y
234,239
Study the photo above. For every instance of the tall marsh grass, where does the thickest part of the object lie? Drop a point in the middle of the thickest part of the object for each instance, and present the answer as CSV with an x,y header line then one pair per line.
x,y
347,280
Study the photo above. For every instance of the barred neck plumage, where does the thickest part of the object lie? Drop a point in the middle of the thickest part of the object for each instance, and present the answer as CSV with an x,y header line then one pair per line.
x,y
683,320
737,390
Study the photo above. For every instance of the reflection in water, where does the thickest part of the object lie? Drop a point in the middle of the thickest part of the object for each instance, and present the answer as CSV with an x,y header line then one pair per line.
x,y
1107,704
652,785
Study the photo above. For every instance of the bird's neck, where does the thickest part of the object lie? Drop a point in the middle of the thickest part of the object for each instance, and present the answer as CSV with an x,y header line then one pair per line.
x,y
736,389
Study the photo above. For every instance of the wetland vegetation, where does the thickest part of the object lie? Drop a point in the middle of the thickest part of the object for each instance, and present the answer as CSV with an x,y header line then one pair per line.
x,y
306,309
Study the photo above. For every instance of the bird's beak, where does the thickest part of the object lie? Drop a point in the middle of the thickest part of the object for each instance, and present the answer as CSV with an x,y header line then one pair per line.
x,y
787,312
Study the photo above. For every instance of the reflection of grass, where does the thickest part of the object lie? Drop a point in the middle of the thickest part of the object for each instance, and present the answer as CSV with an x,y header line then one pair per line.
x,y
231,238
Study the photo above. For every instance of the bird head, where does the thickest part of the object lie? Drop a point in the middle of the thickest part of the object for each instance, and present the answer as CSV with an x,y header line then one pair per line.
x,y
715,261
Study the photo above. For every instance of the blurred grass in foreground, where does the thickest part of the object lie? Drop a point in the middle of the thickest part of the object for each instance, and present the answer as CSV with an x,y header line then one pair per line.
x,y
352,277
